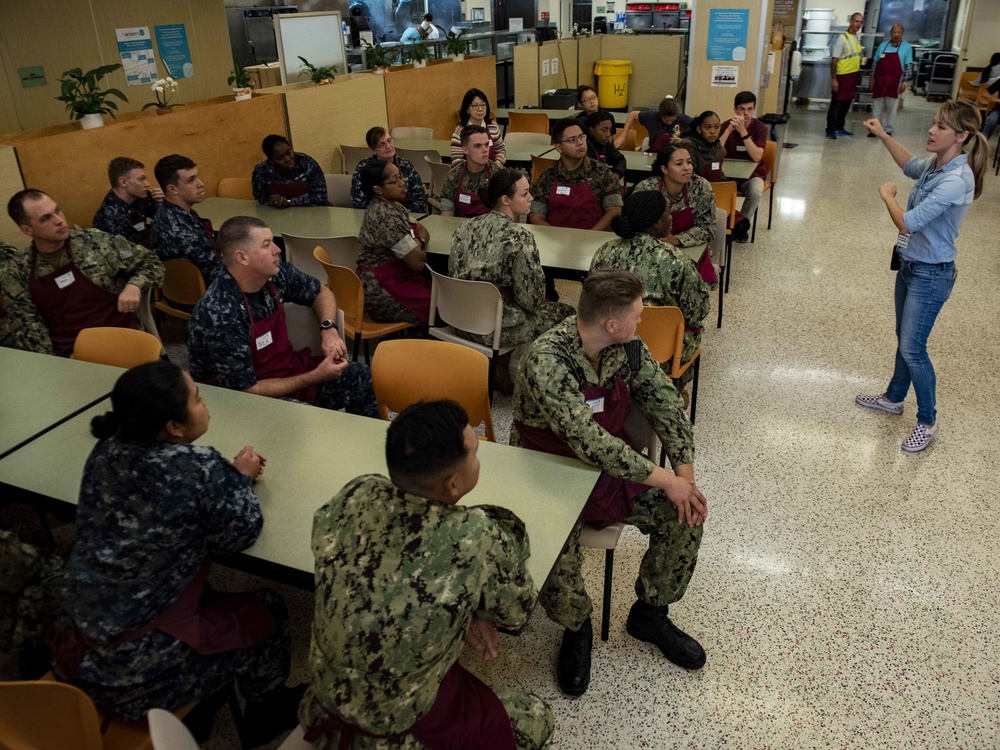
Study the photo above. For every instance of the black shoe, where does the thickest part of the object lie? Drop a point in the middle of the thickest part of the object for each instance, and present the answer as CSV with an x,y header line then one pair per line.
x,y
201,719
651,624
872,135
573,669
269,717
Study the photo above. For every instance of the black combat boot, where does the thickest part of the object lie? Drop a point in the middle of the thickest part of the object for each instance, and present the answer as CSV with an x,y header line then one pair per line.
x,y
651,624
573,669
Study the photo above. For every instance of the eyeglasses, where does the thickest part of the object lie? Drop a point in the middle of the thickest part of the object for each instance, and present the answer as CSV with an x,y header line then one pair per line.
x,y
574,139
397,180
387,143
588,100
477,105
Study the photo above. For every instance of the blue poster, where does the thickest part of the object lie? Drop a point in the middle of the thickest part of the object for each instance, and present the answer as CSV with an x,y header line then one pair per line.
x,y
727,34
172,42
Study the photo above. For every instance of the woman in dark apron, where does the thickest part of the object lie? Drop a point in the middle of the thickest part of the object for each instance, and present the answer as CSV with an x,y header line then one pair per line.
x,y
288,178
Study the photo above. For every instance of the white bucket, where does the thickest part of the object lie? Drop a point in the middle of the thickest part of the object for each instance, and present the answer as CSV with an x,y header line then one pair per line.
x,y
818,13
815,41
818,24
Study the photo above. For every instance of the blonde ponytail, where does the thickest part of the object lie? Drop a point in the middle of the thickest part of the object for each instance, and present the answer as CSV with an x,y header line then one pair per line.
x,y
979,159
963,117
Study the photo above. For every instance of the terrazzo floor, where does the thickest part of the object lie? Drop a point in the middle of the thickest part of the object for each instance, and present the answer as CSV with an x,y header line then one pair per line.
x,y
846,592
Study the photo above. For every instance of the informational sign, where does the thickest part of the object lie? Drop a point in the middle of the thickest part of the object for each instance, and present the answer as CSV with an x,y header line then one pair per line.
x,y
135,46
786,12
515,24
31,76
725,76
727,34
172,42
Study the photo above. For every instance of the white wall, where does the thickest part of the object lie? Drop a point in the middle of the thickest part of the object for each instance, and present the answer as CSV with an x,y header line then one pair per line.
x,y
486,5
982,37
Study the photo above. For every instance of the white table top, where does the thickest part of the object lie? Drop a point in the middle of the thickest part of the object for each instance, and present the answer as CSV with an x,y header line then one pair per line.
x,y
311,454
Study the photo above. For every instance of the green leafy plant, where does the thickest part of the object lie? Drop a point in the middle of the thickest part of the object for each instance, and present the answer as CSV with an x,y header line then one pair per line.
x,y
377,55
455,45
318,74
419,53
83,96
239,76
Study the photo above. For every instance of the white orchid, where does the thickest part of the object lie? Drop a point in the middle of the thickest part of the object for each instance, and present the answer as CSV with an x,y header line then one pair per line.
x,y
163,90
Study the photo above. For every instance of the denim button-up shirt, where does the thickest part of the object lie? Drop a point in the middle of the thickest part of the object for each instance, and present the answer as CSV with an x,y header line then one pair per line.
x,y
935,208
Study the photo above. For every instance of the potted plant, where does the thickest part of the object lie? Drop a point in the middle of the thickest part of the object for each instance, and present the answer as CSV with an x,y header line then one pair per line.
x,y
240,81
164,90
318,74
419,54
455,46
84,100
379,58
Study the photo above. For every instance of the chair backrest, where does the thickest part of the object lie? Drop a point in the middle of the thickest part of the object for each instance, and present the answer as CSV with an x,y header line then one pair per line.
x,y
473,306
182,282
718,243
527,122
411,132
352,155
645,145
168,732
629,143
439,173
527,139
346,287
966,91
539,166
145,313
662,330
419,158
303,328
48,714
342,251
770,160
406,371
983,102
118,347
641,136
235,187
638,427
338,190
725,198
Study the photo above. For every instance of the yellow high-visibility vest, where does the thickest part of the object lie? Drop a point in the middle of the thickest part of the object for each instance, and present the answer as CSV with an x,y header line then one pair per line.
x,y
851,61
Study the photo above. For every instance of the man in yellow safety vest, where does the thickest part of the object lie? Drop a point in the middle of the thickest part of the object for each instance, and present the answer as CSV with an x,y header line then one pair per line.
x,y
845,70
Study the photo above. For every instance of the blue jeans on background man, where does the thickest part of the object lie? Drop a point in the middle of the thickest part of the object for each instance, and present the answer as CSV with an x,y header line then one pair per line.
x,y
991,123
921,291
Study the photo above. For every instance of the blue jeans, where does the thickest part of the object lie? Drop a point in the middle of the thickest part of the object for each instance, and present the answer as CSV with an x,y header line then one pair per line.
x,y
991,123
921,291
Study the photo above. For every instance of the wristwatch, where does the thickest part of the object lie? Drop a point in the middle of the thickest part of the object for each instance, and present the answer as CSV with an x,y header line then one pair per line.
x,y
748,135
326,325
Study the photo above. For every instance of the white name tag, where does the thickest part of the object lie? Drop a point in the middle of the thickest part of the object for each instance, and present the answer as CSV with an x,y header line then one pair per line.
x,y
464,198
596,405
716,165
264,340
562,189
903,240
125,252
741,148
139,226
65,280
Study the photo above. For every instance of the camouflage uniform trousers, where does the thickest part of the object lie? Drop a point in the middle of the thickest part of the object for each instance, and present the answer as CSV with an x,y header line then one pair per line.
x,y
259,670
664,573
352,392
26,621
530,718
381,306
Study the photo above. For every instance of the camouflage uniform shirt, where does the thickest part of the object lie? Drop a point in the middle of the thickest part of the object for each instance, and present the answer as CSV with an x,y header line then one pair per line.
x,y
471,182
398,580
384,236
14,332
493,248
669,278
306,169
604,182
417,201
700,197
548,393
178,233
30,591
115,216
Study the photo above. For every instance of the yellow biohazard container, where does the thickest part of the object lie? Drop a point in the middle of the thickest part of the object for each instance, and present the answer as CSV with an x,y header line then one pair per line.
x,y
612,82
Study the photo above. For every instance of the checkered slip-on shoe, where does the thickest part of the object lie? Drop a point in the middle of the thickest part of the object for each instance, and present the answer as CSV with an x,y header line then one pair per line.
x,y
920,438
879,402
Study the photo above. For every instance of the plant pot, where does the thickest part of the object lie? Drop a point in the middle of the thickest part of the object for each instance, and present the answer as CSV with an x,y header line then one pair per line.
x,y
419,63
458,58
164,110
92,121
243,93
379,71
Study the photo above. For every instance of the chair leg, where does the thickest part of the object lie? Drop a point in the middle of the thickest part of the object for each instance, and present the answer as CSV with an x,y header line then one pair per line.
x,y
492,375
722,294
609,566
753,232
368,356
729,264
234,707
43,519
694,389
357,345
770,206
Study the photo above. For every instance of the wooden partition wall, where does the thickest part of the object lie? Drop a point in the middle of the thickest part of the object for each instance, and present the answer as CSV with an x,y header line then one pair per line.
x,y
10,183
222,138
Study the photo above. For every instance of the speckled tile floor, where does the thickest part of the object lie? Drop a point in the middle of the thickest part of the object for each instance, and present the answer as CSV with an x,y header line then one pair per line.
x,y
847,592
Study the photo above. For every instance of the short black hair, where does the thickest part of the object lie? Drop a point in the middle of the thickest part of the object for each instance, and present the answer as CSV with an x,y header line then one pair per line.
x,y
15,206
562,126
745,97
428,17
581,90
470,130
463,113
234,232
598,117
166,169
607,294
271,141
424,441
121,166
372,174
144,400
500,184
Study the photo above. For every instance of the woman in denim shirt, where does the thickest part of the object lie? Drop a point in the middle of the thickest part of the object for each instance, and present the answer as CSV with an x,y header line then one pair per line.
x,y
947,183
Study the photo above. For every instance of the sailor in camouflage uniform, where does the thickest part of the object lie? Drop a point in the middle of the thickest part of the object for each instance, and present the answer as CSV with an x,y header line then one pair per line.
x,y
140,627
130,204
669,277
238,337
30,593
393,250
403,577
70,279
496,249
383,148
576,191
31,335
572,397
178,231
460,191
287,178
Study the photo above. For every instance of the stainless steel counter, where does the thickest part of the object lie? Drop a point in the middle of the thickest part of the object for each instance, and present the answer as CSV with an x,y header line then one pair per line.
x,y
814,82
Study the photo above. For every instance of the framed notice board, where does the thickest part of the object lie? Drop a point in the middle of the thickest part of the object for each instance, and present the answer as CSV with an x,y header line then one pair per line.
x,y
318,37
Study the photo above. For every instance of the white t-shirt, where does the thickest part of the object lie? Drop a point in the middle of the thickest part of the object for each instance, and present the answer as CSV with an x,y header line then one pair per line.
x,y
431,29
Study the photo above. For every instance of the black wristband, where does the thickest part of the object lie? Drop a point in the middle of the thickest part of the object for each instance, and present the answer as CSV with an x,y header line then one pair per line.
x,y
747,136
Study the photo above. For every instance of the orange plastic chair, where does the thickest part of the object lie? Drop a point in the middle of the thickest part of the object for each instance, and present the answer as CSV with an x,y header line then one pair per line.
x,y
770,162
662,330
539,166
527,122
236,187
629,144
407,371
350,294
183,284
966,91
725,198
118,347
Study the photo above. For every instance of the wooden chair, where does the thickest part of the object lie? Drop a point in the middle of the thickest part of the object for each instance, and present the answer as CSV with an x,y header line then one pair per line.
x,y
662,330
183,285
527,122
473,306
770,162
983,102
350,294
439,173
407,371
352,156
118,347
527,139
411,132
966,91
725,198
300,252
419,158
236,187
629,144
641,135
539,166
338,190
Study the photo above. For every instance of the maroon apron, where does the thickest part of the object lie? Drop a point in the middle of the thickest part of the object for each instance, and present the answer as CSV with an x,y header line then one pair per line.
x,y
409,288
888,74
847,86
294,189
612,499
575,207
711,172
272,353
471,206
684,220
69,302
667,133
465,714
